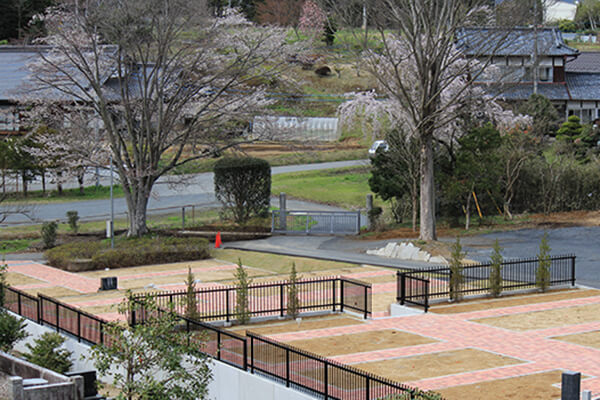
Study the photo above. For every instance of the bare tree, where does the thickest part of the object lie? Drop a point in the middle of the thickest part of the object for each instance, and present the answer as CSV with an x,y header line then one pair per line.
x,y
280,13
167,80
424,76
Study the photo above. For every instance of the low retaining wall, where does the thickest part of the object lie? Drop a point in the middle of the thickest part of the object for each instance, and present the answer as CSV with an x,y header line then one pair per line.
x,y
228,383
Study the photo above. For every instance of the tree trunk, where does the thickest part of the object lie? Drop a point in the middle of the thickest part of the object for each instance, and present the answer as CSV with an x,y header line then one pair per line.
x,y
24,176
137,193
468,213
80,177
415,206
507,213
59,187
427,220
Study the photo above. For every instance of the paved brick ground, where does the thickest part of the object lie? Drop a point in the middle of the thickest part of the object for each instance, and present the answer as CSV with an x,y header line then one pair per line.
x,y
536,348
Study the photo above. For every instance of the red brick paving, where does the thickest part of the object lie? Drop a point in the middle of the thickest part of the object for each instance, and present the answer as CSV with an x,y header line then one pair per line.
x,y
456,331
538,351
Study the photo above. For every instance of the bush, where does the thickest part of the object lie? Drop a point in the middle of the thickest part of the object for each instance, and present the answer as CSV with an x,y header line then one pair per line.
x,y
73,218
242,306
130,252
12,330
243,186
542,274
496,271
46,353
191,303
374,215
293,302
457,277
49,234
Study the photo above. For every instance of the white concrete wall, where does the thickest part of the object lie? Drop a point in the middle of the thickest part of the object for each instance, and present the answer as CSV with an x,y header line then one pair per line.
x,y
229,383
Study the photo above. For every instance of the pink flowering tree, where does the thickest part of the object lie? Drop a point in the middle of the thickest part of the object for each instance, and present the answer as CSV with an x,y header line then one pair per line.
x,y
427,83
169,82
312,20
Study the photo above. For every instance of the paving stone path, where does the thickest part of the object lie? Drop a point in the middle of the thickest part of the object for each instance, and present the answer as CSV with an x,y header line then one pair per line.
x,y
536,349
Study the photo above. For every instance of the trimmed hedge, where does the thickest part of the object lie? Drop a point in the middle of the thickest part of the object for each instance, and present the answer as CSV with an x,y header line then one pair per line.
x,y
129,252
243,186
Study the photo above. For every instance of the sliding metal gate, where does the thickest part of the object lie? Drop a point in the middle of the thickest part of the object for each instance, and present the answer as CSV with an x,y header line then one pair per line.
x,y
316,222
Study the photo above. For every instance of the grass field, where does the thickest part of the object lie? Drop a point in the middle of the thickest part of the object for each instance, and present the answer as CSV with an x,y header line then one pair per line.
x,y
343,187
52,196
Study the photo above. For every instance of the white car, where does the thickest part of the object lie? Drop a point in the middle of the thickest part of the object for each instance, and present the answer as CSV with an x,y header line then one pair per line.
x,y
378,144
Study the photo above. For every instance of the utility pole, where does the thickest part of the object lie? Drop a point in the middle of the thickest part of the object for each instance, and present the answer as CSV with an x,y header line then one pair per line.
x,y
112,207
535,47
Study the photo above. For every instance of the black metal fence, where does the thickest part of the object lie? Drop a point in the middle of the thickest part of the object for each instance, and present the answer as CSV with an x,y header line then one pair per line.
x,y
318,375
218,343
62,317
420,286
271,299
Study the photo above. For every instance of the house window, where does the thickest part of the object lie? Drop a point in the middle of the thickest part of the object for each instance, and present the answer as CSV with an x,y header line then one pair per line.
x,y
544,74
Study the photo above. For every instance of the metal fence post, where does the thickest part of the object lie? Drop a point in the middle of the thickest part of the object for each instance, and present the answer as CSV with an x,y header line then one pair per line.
x,y
426,296
281,299
182,217
341,295
366,302
273,222
326,380
57,320
368,388
307,220
227,314
334,294
252,354
19,303
287,367
79,327
572,270
402,277
218,345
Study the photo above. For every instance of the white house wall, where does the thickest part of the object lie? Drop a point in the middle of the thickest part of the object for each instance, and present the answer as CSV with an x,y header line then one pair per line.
x,y
561,10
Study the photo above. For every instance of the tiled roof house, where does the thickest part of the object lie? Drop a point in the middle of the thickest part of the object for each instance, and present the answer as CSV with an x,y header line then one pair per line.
x,y
571,80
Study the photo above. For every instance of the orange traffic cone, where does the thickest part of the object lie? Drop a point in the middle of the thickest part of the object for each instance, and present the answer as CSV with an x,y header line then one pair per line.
x,y
218,240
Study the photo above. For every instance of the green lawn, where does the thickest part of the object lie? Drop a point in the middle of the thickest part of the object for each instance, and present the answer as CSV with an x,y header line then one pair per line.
x,y
343,187
14,245
38,197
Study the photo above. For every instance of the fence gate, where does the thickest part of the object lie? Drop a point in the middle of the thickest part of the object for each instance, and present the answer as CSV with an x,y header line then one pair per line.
x,y
413,290
316,222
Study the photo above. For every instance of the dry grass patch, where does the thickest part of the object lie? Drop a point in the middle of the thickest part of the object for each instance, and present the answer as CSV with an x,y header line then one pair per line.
x,y
360,342
590,339
277,264
528,387
53,291
512,301
306,324
153,268
97,310
17,279
425,366
545,319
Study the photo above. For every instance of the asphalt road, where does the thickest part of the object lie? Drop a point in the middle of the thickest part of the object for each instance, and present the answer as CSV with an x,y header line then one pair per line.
x,y
584,242
168,194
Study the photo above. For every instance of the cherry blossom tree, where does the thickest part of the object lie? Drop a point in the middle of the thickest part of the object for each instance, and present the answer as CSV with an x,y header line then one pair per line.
x,y
166,78
425,78
69,140
313,19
